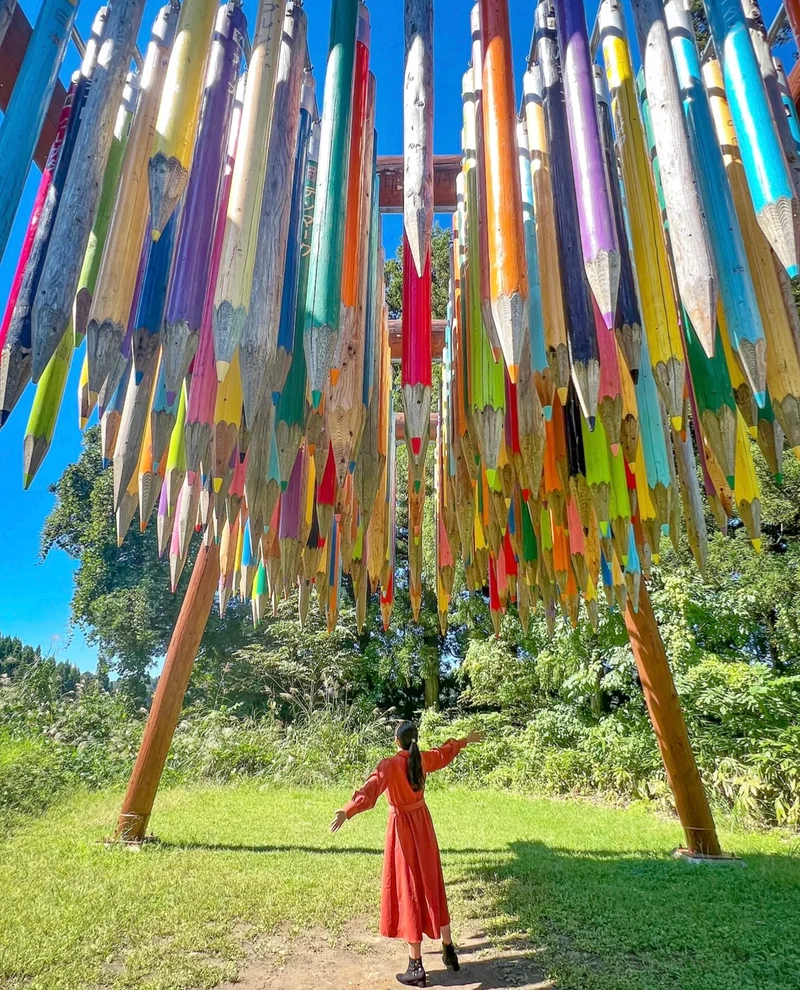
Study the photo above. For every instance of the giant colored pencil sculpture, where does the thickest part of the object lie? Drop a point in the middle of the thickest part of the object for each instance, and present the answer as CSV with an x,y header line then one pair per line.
x,y
235,279
598,231
28,105
771,189
195,238
506,257
691,250
52,309
116,279
260,337
321,334
418,129
44,411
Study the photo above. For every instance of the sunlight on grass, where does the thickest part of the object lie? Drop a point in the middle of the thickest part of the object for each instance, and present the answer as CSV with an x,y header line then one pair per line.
x,y
593,888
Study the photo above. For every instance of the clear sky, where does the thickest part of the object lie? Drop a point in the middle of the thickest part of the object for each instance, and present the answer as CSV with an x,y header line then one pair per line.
x,y
35,596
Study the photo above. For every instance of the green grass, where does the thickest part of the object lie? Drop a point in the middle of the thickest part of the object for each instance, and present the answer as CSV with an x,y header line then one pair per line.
x,y
594,889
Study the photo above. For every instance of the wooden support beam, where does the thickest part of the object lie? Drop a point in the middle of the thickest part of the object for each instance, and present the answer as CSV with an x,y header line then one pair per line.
x,y
437,338
445,170
168,699
400,426
12,52
794,83
670,728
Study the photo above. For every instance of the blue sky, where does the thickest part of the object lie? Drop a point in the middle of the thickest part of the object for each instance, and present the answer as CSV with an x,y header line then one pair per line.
x,y
35,596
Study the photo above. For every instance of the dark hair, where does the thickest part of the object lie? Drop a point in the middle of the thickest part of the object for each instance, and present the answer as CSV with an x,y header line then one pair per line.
x,y
406,734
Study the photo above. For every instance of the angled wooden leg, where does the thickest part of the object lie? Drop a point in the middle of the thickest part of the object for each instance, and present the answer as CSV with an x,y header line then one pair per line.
x,y
670,728
168,699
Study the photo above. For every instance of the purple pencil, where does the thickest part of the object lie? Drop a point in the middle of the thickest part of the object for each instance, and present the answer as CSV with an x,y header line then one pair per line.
x,y
598,234
191,262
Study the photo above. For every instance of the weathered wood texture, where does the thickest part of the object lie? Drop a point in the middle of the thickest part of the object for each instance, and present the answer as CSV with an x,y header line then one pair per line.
x,y
437,338
168,699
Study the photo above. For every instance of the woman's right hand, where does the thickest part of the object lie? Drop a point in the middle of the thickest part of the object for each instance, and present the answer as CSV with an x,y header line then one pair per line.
x,y
475,736
338,820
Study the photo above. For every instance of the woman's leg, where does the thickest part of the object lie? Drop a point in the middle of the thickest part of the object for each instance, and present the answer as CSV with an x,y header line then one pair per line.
x,y
415,950
446,939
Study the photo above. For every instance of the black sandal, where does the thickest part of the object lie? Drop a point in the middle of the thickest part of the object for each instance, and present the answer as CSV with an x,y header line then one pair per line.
x,y
414,976
449,957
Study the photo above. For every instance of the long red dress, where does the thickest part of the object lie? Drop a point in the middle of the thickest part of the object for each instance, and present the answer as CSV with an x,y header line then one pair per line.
x,y
413,898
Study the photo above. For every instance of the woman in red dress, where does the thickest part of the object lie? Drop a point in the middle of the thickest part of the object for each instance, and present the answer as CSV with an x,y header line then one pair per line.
x,y
413,898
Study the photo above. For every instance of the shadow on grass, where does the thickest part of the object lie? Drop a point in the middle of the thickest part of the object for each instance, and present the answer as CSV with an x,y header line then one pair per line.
x,y
311,850
606,920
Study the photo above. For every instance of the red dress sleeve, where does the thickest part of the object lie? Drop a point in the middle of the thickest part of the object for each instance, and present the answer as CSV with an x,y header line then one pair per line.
x,y
436,759
365,798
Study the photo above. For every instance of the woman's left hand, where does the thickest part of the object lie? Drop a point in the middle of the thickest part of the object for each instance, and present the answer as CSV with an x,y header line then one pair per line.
x,y
338,820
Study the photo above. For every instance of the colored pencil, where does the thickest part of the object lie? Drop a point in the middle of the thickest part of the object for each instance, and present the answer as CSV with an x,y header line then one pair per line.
x,y
691,249
108,194
549,270
595,213
116,279
44,411
194,241
418,129
260,332
508,277
581,334
52,309
321,333
771,189
29,103
232,294
735,282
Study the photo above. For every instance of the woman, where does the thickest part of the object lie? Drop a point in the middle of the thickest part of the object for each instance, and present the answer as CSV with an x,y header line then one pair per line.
x,y
413,898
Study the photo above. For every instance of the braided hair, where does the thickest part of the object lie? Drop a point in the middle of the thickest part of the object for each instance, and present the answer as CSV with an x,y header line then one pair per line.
x,y
406,735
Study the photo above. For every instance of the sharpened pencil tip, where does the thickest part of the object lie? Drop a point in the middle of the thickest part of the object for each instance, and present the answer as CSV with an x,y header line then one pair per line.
x,y
316,398
757,546
222,370
548,412
156,235
562,395
677,423
334,373
761,398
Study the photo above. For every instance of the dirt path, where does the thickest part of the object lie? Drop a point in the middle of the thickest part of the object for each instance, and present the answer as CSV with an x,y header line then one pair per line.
x,y
358,960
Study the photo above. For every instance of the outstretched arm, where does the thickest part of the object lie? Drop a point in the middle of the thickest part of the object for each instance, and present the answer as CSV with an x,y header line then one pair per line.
x,y
363,799
437,759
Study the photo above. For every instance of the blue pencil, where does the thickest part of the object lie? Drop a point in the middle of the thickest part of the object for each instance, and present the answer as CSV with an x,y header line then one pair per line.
x,y
764,163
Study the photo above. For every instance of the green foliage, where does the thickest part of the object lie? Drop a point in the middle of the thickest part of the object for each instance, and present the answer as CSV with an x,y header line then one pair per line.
x,y
440,275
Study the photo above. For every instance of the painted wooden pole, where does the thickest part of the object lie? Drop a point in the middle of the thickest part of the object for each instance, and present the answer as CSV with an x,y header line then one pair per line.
x,y
508,280
691,249
166,708
670,729
179,111
581,333
771,189
235,280
653,279
44,411
260,377
16,359
321,334
116,279
108,195
598,231
30,100
195,239
52,309
418,128
736,292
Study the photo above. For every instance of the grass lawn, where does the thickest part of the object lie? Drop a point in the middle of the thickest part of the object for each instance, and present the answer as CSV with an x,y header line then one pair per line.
x,y
594,890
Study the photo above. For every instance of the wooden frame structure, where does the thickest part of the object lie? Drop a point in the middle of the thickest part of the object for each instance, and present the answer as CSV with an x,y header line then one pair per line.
x,y
646,642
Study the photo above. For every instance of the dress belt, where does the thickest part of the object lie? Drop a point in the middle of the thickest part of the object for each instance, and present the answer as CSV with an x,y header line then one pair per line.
x,y
404,808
